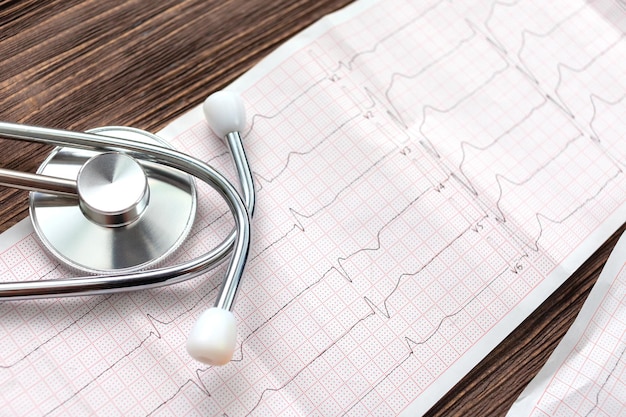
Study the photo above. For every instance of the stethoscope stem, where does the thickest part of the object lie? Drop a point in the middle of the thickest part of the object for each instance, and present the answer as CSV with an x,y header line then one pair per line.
x,y
37,182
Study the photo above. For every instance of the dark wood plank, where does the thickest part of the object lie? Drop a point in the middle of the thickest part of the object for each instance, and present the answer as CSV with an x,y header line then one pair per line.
x,y
84,64
81,64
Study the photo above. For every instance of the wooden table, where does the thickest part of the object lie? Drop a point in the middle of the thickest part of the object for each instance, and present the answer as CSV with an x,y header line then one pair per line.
x,y
80,64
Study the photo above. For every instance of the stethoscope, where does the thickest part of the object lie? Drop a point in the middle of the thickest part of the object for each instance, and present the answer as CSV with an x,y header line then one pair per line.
x,y
115,201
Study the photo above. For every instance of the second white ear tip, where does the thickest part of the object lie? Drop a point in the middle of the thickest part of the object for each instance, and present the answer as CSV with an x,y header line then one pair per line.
x,y
213,337
225,112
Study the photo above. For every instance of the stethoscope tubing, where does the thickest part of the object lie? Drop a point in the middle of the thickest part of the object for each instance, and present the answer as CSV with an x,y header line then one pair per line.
x,y
237,242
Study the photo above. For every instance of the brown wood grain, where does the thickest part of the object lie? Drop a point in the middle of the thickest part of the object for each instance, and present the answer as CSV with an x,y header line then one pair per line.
x,y
81,64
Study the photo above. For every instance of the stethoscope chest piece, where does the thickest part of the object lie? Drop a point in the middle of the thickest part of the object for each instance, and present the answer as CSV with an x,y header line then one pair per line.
x,y
116,201
130,214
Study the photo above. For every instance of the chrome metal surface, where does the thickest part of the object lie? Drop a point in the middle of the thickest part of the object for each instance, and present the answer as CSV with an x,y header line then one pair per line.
x,y
113,189
238,239
226,297
112,227
35,182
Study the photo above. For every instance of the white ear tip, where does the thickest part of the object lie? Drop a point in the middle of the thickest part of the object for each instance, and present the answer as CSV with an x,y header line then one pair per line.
x,y
213,337
225,112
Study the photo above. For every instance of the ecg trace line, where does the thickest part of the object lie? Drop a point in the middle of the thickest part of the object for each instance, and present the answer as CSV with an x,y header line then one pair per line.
x,y
526,33
106,370
501,178
200,299
386,313
298,225
437,59
493,38
350,66
606,380
567,216
536,85
463,178
374,311
59,333
313,147
338,266
594,97
155,332
523,67
412,343
305,290
562,66
399,29
316,358
397,75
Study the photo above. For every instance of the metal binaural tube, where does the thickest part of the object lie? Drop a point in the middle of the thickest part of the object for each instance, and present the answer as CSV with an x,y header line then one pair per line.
x,y
226,296
36,182
243,169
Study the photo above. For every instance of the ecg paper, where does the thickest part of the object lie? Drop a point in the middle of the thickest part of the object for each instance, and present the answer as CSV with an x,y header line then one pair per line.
x,y
427,172
586,374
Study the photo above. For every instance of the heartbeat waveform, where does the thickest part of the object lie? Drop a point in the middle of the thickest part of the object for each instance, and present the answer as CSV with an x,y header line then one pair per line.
x,y
394,112
486,23
350,63
611,149
351,66
519,62
391,111
528,33
561,67
99,375
57,334
299,217
384,309
609,375
462,177
337,265
411,343
511,42
306,152
594,101
373,308
465,180
154,335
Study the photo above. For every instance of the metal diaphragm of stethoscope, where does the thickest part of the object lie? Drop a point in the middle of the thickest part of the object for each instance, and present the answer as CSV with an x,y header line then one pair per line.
x,y
115,202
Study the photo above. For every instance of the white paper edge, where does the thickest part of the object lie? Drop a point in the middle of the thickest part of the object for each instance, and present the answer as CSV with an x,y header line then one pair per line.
x,y
528,399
